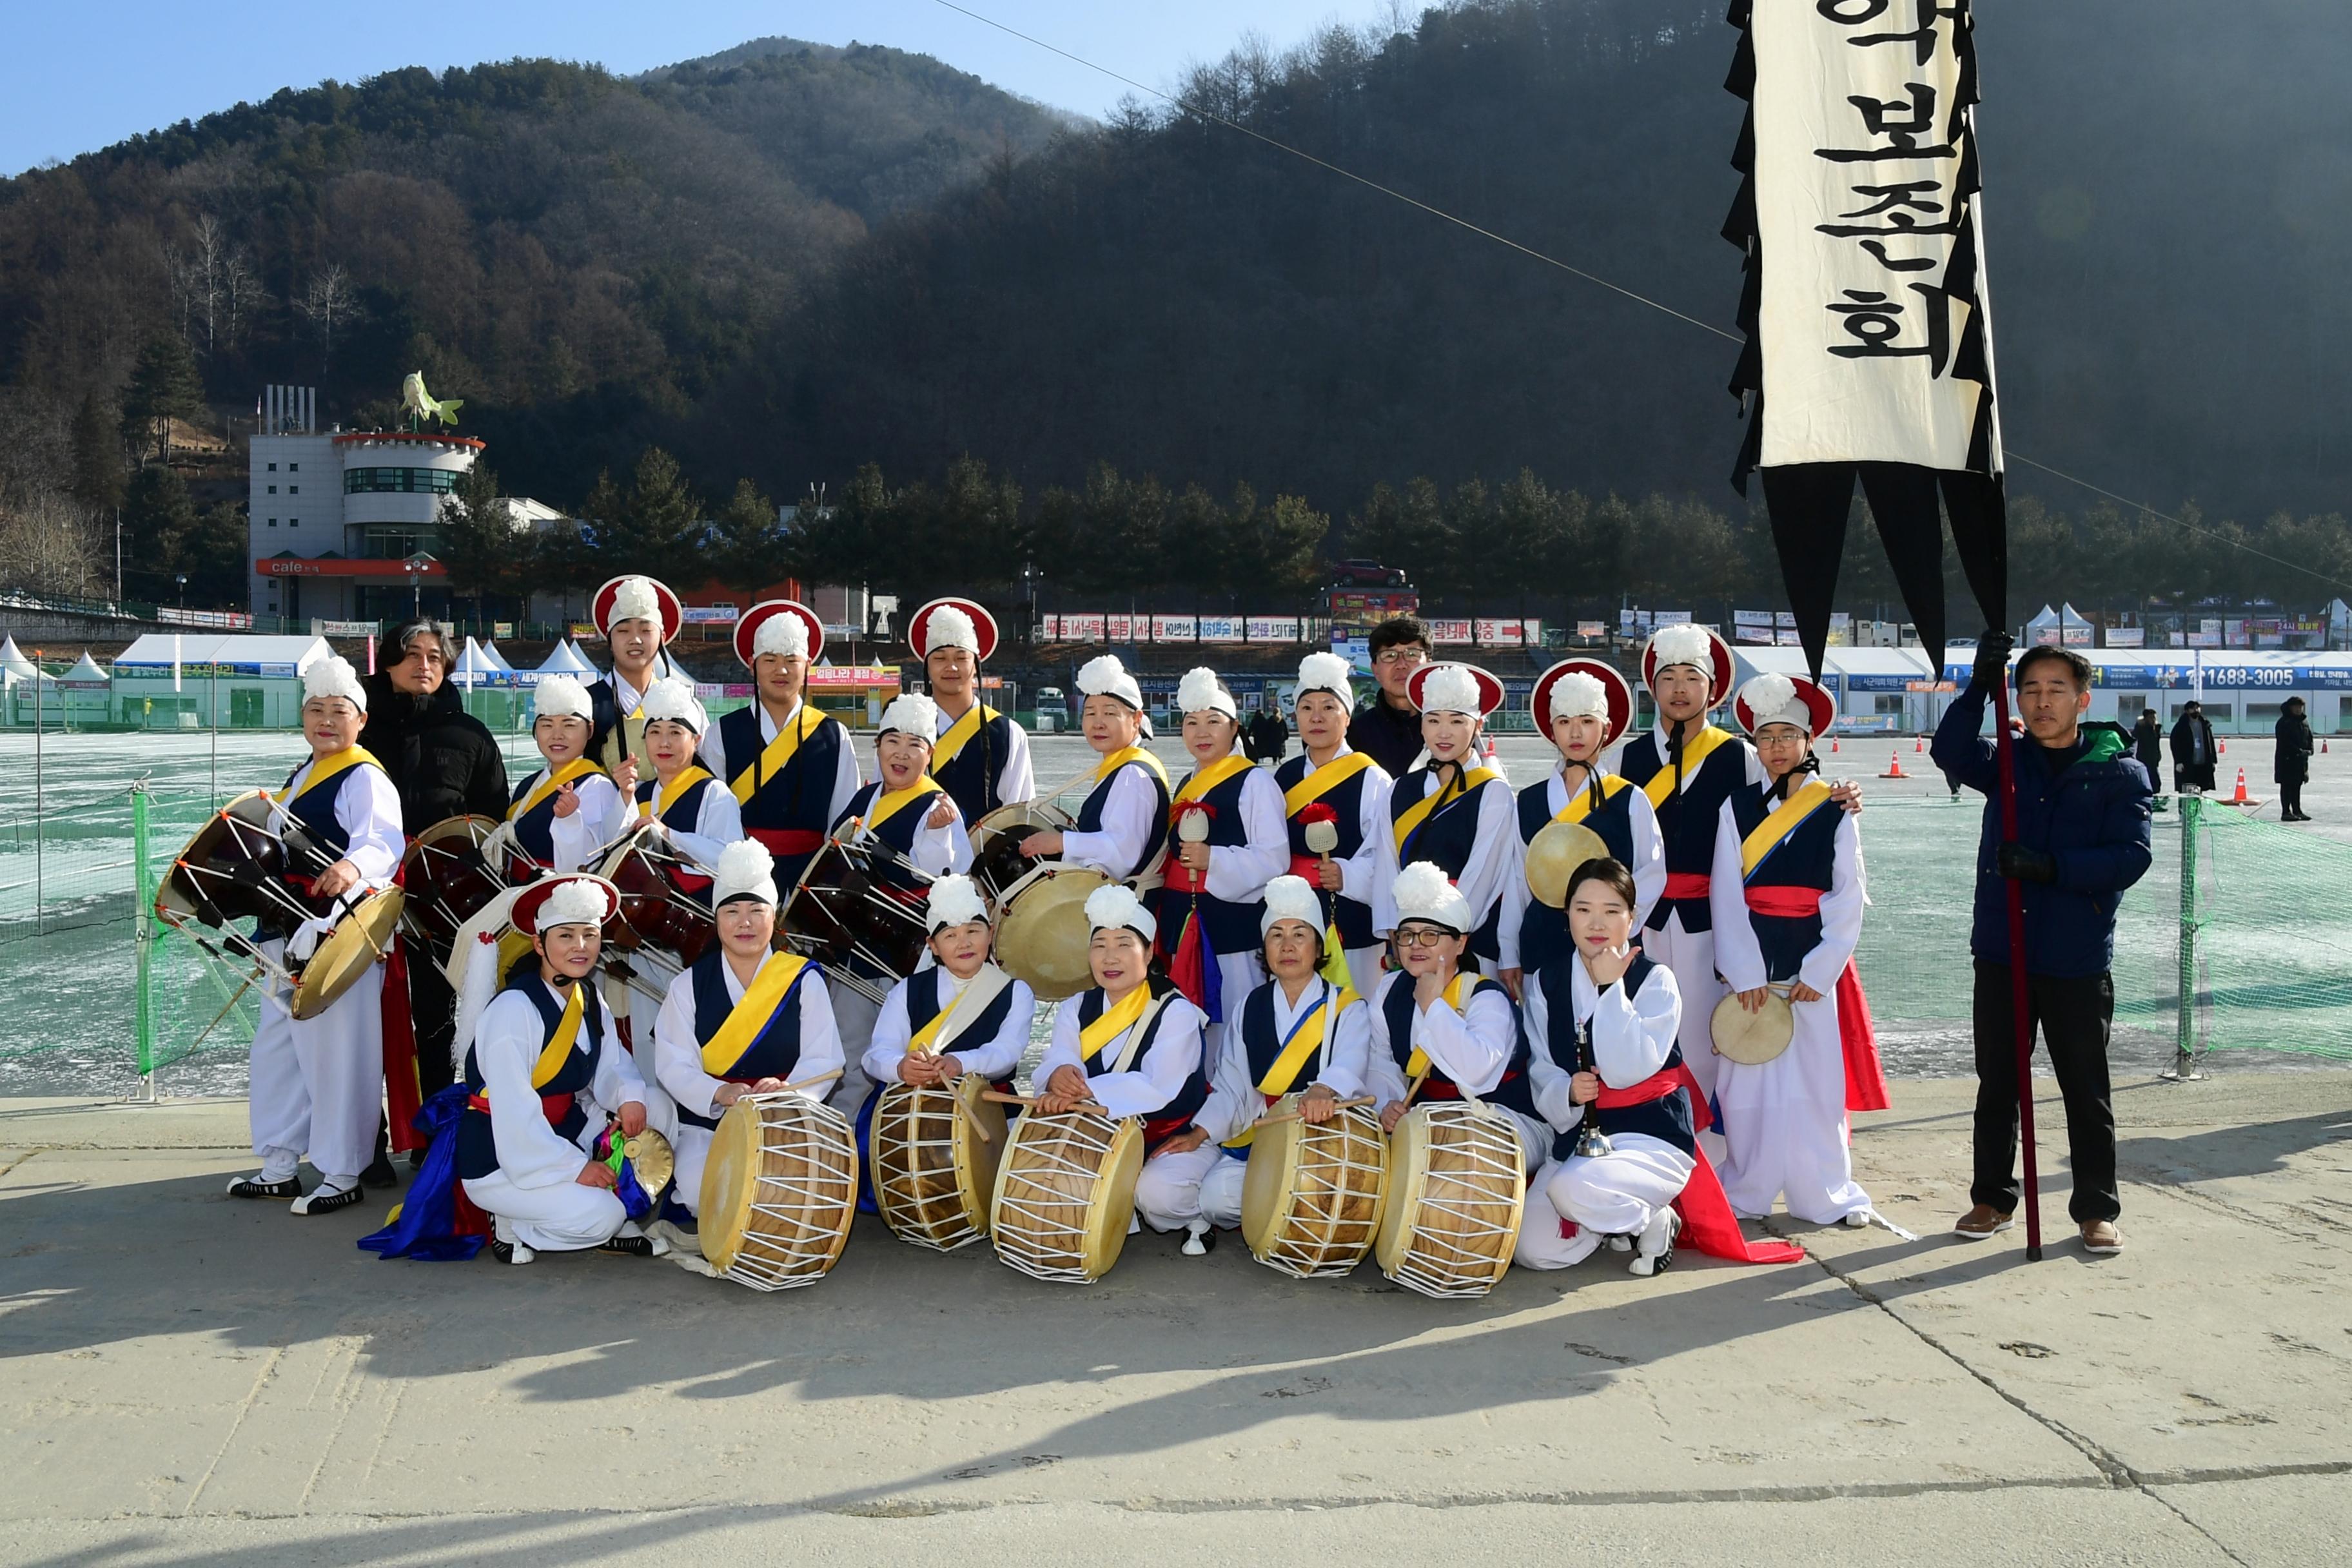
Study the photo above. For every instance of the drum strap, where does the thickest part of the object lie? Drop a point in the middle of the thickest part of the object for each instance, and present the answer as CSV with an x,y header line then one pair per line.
x,y
1774,830
1696,750
960,735
1141,1032
1417,1068
1463,786
1323,780
577,768
1581,802
763,999
1308,1035
971,1004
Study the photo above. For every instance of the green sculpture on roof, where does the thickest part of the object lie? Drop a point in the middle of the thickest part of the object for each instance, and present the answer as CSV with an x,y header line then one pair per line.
x,y
420,405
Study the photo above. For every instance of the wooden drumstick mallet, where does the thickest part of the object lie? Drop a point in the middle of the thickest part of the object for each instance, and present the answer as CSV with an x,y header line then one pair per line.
x,y
1029,1102
1294,1115
811,1082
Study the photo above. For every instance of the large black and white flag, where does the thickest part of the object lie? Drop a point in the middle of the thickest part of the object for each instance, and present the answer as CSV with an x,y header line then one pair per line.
x,y
1869,349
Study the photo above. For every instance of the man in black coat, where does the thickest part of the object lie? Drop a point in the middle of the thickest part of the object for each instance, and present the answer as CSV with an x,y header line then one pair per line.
x,y
2194,755
2291,766
2148,744
445,762
1388,728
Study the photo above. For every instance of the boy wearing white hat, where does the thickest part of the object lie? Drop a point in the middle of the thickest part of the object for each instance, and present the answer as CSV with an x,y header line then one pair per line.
x,y
1440,1030
1122,824
1451,811
791,768
982,757
560,814
1788,901
1335,802
743,1018
638,617
315,1084
1131,1044
539,1057
961,1013
1226,839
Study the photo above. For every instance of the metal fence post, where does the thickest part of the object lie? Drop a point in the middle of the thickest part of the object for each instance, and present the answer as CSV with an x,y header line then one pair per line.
x,y
2184,1039
142,926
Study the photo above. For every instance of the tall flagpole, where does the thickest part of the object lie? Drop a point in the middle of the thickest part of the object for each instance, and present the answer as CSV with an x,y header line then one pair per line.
x,y
2019,983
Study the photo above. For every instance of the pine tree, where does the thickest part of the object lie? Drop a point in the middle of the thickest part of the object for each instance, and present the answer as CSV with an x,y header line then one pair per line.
x,y
97,455
485,551
162,388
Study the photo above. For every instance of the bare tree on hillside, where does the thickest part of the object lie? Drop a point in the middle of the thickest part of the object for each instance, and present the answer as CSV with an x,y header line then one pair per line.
x,y
214,286
328,303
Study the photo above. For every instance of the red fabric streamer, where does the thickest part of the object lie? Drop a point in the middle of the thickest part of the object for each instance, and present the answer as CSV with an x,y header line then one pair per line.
x,y
404,1092
1707,1220
1866,1077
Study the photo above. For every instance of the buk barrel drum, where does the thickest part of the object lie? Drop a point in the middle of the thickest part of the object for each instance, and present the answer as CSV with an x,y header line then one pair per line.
x,y
1313,1194
1457,1187
448,881
997,859
847,915
343,954
660,925
1066,1195
235,867
933,1151
779,1189
1042,931
1754,1039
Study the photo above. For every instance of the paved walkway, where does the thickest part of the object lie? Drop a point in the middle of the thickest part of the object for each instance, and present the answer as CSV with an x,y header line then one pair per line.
x,y
192,1379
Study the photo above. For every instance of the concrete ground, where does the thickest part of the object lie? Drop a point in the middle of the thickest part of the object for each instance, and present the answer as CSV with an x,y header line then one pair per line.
x,y
192,1379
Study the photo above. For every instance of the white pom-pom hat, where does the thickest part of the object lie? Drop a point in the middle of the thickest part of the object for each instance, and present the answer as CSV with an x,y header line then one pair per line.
x,y
1784,700
1117,907
911,713
1422,893
636,598
1576,685
1104,676
745,870
953,900
1695,646
783,626
1455,688
952,623
673,701
560,696
564,901
334,677
1290,898
1201,693
1324,672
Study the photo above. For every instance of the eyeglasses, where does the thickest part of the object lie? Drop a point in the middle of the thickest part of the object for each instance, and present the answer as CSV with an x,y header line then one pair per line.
x,y
1401,655
1425,936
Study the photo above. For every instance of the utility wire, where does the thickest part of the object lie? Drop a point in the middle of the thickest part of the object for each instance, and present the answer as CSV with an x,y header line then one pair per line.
x,y
1528,250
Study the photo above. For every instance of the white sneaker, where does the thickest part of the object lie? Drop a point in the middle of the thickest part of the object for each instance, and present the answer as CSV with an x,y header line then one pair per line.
x,y
1656,1251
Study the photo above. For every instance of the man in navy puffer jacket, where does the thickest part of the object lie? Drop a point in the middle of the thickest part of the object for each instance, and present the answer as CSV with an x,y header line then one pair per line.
x,y
2082,837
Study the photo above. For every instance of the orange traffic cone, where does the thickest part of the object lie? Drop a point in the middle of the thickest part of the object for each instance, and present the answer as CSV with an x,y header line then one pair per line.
x,y
1895,767
2223,747
2323,748
1833,745
1918,744
2239,798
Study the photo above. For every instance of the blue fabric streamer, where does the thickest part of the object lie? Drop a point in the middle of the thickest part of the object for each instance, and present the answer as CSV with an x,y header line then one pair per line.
x,y
426,1224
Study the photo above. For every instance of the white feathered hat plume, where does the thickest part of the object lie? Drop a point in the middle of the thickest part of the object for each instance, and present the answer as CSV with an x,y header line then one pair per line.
x,y
1423,892
561,695
1104,676
1290,898
1117,907
953,900
745,870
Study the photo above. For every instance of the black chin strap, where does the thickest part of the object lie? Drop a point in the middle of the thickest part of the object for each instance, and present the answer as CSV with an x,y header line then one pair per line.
x,y
1812,764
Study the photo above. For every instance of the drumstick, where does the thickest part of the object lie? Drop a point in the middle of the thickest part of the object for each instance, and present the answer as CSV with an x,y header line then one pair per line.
x,y
1294,1115
812,1082
1029,1102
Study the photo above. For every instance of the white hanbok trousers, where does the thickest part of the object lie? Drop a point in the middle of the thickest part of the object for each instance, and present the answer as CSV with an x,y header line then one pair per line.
x,y
563,1217
1221,1192
853,1019
661,1110
1691,955
691,1148
1612,1195
1168,1193
1784,1126
316,1086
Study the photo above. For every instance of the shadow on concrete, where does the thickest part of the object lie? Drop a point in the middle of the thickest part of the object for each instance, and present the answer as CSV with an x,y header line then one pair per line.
x,y
2214,1152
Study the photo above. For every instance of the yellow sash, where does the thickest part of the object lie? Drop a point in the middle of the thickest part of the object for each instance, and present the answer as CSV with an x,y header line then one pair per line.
x,y
1322,780
1118,1018
328,767
890,803
779,753
1418,1067
578,767
921,1043
559,1045
778,975
1203,780
1471,782
1783,821
1125,755
1306,1036
1579,799
959,734
1696,750
689,776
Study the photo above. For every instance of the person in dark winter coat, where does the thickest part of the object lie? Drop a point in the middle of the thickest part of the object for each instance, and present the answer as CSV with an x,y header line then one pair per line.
x,y
2194,756
2148,744
2291,766
2082,837
1388,728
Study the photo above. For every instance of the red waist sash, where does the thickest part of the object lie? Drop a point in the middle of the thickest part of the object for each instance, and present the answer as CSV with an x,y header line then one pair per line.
x,y
1866,1077
1686,885
1784,903
1707,1220
783,841
1658,1086
554,1107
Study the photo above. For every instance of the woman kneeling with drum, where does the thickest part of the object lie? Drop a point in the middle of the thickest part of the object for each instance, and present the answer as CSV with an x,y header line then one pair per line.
x,y
541,1045
962,1001
742,1018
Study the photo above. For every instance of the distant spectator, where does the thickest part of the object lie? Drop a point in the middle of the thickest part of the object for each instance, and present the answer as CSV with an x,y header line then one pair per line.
x,y
2194,756
2082,837
1388,728
2292,764
2148,744
1266,737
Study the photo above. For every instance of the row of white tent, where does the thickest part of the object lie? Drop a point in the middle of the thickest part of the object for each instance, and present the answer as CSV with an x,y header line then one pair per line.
x,y
479,665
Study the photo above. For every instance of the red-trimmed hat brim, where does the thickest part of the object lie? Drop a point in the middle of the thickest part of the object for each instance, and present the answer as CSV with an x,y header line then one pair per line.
x,y
919,637
1621,696
747,630
600,608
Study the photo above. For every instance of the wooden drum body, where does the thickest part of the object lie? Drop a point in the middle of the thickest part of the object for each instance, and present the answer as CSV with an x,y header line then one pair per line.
x,y
1313,1195
934,1153
779,1191
448,881
1457,1186
1066,1195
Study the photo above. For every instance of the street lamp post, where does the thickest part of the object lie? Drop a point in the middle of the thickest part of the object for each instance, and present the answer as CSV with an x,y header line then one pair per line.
x,y
416,566
183,581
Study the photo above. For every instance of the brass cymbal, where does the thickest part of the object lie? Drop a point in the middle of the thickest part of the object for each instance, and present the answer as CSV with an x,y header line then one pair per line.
x,y
1753,1039
1043,932
651,1157
1557,850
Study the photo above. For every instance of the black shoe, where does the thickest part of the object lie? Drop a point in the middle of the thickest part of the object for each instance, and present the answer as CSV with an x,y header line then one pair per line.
x,y
630,1246
416,1158
511,1252
255,1187
323,1201
380,1172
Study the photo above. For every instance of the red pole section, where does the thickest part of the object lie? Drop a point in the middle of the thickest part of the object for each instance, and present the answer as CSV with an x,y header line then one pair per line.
x,y
2005,758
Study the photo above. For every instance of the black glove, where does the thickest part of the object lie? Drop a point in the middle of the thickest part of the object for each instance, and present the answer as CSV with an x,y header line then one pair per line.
x,y
1992,661
2015,860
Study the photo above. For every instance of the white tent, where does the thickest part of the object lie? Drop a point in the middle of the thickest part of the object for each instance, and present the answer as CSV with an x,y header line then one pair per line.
x,y
497,659
474,667
13,660
565,660
85,673
2064,624
582,655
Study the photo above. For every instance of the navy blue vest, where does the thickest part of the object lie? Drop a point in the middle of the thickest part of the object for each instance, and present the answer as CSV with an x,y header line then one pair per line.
x,y
898,833
1353,916
1397,1011
1177,1114
1446,837
1806,858
923,1006
799,798
972,774
1090,812
534,830
1687,821
1543,930
1231,927
684,811
478,1148
1668,1119
1264,1042
315,810
778,1049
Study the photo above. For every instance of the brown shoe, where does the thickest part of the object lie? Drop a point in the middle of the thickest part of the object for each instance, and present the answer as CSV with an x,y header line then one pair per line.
x,y
2101,1239
1982,1223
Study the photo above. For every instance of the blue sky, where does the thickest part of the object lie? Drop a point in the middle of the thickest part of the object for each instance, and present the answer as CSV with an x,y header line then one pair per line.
x,y
77,77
